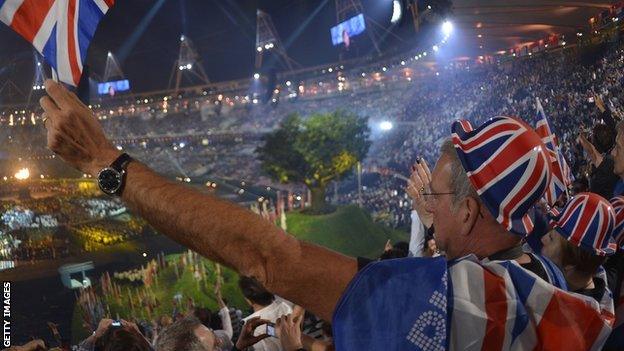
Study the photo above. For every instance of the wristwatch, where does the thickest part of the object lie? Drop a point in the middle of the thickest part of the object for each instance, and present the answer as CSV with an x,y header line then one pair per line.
x,y
112,179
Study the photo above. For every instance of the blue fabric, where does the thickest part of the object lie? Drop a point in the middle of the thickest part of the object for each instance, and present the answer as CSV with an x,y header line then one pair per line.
x,y
398,304
619,188
555,274
616,339
541,228
89,18
49,50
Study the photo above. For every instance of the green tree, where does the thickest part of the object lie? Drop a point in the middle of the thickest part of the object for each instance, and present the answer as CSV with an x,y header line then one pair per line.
x,y
315,150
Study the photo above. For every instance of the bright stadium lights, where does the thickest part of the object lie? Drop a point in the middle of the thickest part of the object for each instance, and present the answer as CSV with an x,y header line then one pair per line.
x,y
579,34
22,174
435,48
189,65
110,54
397,12
447,28
256,76
402,63
259,48
288,83
384,69
385,125
428,7
181,37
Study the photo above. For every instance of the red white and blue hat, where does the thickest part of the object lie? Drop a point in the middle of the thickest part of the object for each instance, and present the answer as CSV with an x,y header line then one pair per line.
x,y
618,232
587,221
508,165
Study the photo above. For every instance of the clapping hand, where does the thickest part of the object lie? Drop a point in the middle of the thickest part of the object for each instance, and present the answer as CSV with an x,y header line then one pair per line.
x,y
417,185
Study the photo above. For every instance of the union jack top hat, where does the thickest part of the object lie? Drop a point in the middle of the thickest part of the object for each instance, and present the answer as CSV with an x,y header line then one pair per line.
x,y
587,221
508,165
618,232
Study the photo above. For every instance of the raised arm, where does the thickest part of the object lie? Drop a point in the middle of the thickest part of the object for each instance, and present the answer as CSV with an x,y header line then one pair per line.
x,y
306,274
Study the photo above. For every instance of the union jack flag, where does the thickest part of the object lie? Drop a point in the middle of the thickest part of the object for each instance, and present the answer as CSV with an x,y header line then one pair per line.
x,y
587,220
465,305
60,30
508,166
561,172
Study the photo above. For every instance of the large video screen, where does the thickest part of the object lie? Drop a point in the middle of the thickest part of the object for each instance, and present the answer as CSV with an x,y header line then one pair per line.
x,y
112,88
347,29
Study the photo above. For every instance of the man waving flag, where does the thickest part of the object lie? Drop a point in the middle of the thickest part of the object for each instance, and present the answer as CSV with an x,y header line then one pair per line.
x,y
60,30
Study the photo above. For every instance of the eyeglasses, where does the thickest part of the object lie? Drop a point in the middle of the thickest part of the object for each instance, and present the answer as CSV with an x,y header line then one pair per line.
x,y
433,196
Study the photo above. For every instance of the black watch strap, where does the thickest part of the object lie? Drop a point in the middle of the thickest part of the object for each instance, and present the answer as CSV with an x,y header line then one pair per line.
x,y
120,165
121,162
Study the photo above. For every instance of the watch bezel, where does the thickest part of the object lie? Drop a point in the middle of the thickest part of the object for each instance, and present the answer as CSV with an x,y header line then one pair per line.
x,y
118,176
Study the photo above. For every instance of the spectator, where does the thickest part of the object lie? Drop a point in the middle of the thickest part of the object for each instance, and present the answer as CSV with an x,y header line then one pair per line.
x,y
576,249
265,306
602,180
113,335
187,334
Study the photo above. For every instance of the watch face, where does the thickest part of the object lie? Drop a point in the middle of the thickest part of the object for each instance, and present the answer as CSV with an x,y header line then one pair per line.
x,y
109,180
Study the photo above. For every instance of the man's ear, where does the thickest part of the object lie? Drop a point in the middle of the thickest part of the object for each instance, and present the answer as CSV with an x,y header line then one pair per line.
x,y
469,214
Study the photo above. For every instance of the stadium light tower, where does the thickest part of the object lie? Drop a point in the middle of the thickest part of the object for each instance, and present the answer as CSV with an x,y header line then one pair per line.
x,y
113,69
187,66
39,79
267,40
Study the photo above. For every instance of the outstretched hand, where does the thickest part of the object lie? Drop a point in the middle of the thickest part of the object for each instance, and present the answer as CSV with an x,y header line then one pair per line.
x,y
73,131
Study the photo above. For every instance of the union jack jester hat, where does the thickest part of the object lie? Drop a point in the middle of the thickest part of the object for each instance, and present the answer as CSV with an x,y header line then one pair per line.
x,y
508,165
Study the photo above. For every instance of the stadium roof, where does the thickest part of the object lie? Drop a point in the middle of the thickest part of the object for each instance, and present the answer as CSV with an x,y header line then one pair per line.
x,y
224,33
510,23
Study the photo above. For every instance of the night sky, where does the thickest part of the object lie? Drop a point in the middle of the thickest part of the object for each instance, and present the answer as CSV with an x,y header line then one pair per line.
x,y
223,32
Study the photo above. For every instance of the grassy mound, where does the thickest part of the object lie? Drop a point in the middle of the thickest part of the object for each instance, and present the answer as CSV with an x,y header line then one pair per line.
x,y
349,230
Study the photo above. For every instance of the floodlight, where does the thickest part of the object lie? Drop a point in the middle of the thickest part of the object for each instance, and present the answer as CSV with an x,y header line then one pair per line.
x,y
385,125
447,27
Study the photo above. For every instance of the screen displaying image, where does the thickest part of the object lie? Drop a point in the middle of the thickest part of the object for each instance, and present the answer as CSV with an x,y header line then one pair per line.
x,y
347,29
111,88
